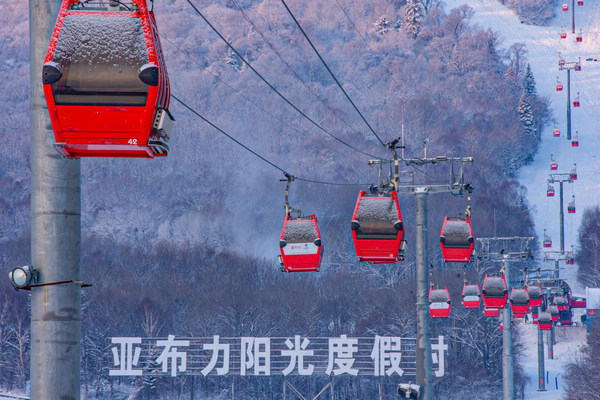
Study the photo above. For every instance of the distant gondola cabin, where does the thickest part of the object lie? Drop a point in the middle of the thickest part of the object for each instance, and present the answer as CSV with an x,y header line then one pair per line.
x,y
561,303
300,245
553,313
550,191
545,321
377,228
106,83
556,132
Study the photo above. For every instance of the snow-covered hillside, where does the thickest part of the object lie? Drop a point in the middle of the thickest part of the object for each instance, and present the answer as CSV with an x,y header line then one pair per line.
x,y
543,45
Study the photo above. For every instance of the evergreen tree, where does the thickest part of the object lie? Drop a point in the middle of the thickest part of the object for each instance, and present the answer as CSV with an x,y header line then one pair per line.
x,y
526,114
413,17
529,82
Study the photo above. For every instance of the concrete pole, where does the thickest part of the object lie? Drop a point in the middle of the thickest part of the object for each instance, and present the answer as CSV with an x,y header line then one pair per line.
x,y
424,361
508,383
551,343
568,104
572,16
541,372
55,236
562,219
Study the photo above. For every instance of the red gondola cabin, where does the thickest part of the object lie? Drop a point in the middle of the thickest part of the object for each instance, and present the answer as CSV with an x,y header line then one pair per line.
x,y
553,313
471,296
573,174
456,240
563,34
377,228
545,321
570,258
579,37
491,312
494,291
571,207
106,83
575,142
535,295
579,2
565,317
439,303
547,240
556,131
300,245
565,7
519,302
561,302
577,302
550,191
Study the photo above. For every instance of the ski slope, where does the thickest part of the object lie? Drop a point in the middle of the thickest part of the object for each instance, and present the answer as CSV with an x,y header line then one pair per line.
x,y
543,44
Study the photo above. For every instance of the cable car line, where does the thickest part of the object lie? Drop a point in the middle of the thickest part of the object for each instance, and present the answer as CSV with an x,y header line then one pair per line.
x,y
231,87
255,153
331,72
272,87
288,65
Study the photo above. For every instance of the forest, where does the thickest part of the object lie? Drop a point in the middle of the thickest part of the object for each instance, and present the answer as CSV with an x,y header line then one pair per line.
x,y
187,245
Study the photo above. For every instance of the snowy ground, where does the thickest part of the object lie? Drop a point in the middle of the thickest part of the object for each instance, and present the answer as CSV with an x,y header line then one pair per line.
x,y
543,45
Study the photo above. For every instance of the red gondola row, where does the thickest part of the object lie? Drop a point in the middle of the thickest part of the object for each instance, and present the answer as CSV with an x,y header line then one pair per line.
x,y
300,245
456,240
107,95
519,302
494,291
377,228
471,296
439,303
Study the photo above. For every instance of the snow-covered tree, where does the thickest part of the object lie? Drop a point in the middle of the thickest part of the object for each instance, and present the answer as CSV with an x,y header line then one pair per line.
x,y
233,60
526,114
382,26
413,17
